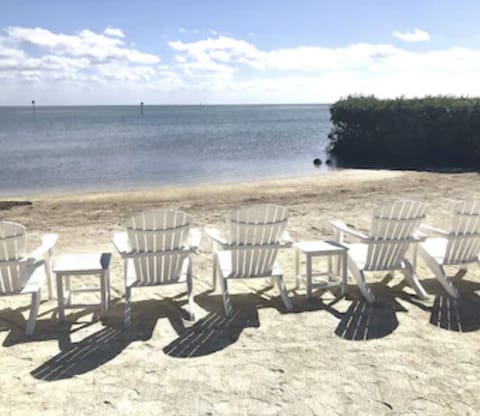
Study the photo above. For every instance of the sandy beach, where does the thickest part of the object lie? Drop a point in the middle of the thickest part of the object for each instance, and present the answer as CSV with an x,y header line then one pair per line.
x,y
330,356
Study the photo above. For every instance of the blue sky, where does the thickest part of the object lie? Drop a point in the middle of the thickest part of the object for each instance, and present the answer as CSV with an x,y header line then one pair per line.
x,y
186,52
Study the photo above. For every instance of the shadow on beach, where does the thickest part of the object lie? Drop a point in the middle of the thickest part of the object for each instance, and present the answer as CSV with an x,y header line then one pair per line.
x,y
357,321
102,346
215,331
361,321
459,315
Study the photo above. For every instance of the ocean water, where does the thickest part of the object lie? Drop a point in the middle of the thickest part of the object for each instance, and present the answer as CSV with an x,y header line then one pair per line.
x,y
64,149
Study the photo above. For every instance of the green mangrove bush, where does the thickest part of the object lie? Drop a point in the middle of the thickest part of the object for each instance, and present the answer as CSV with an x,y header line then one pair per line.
x,y
430,132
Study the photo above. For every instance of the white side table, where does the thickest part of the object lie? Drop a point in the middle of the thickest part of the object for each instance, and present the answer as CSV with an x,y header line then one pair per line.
x,y
82,264
329,249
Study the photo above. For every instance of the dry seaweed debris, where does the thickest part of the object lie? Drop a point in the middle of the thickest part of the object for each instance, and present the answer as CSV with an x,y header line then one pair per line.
x,y
6,205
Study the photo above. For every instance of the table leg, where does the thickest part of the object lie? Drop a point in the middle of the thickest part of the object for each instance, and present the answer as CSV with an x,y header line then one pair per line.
x,y
297,270
309,276
108,289
60,298
103,290
344,273
68,288
330,269
48,273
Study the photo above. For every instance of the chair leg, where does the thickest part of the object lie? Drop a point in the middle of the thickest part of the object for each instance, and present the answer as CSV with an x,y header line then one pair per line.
x,y
283,292
48,274
443,279
462,271
32,319
128,307
214,273
226,298
297,270
410,275
191,309
439,272
359,276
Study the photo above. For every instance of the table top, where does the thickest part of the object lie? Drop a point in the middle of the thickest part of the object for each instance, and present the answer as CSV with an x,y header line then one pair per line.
x,y
319,247
82,263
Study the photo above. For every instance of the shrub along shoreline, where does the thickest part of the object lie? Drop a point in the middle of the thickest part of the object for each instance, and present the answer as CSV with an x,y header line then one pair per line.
x,y
427,133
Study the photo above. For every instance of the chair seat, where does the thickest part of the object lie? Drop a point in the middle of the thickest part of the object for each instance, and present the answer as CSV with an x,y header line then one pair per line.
x,y
436,247
225,263
358,252
35,281
132,281
33,284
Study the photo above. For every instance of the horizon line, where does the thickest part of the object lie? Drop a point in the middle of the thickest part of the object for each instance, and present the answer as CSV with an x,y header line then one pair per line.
x,y
156,105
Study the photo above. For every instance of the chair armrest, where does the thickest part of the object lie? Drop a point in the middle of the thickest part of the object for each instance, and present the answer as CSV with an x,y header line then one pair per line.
x,y
120,241
46,248
419,236
286,239
215,236
341,227
433,230
195,238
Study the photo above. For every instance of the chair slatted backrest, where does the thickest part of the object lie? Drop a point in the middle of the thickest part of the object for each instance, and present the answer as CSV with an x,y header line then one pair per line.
x,y
12,257
256,232
158,237
464,238
392,232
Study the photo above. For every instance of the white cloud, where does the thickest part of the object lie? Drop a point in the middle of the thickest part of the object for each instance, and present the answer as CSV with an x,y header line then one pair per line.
x,y
86,43
125,72
416,36
111,31
80,59
88,67
321,74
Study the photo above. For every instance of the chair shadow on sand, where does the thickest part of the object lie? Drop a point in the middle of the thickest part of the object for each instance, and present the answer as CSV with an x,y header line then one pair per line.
x,y
458,315
13,321
215,331
104,345
361,321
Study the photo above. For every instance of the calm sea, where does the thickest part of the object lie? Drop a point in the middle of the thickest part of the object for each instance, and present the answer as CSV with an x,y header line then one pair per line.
x,y
59,149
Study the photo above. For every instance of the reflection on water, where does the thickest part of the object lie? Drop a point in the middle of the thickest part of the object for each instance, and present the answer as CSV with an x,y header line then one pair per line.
x,y
108,147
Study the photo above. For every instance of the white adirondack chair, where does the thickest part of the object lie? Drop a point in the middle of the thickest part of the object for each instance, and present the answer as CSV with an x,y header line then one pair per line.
x,y
248,248
22,274
157,250
384,249
459,246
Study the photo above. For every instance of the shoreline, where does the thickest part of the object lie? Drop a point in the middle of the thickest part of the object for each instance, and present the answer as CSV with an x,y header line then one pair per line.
x,y
321,178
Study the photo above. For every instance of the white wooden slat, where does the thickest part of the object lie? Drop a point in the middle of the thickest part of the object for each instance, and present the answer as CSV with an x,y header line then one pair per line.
x,y
393,226
12,257
255,226
159,232
254,261
463,241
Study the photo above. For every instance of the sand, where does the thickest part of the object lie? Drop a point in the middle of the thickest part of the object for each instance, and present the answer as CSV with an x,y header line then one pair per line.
x,y
330,356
